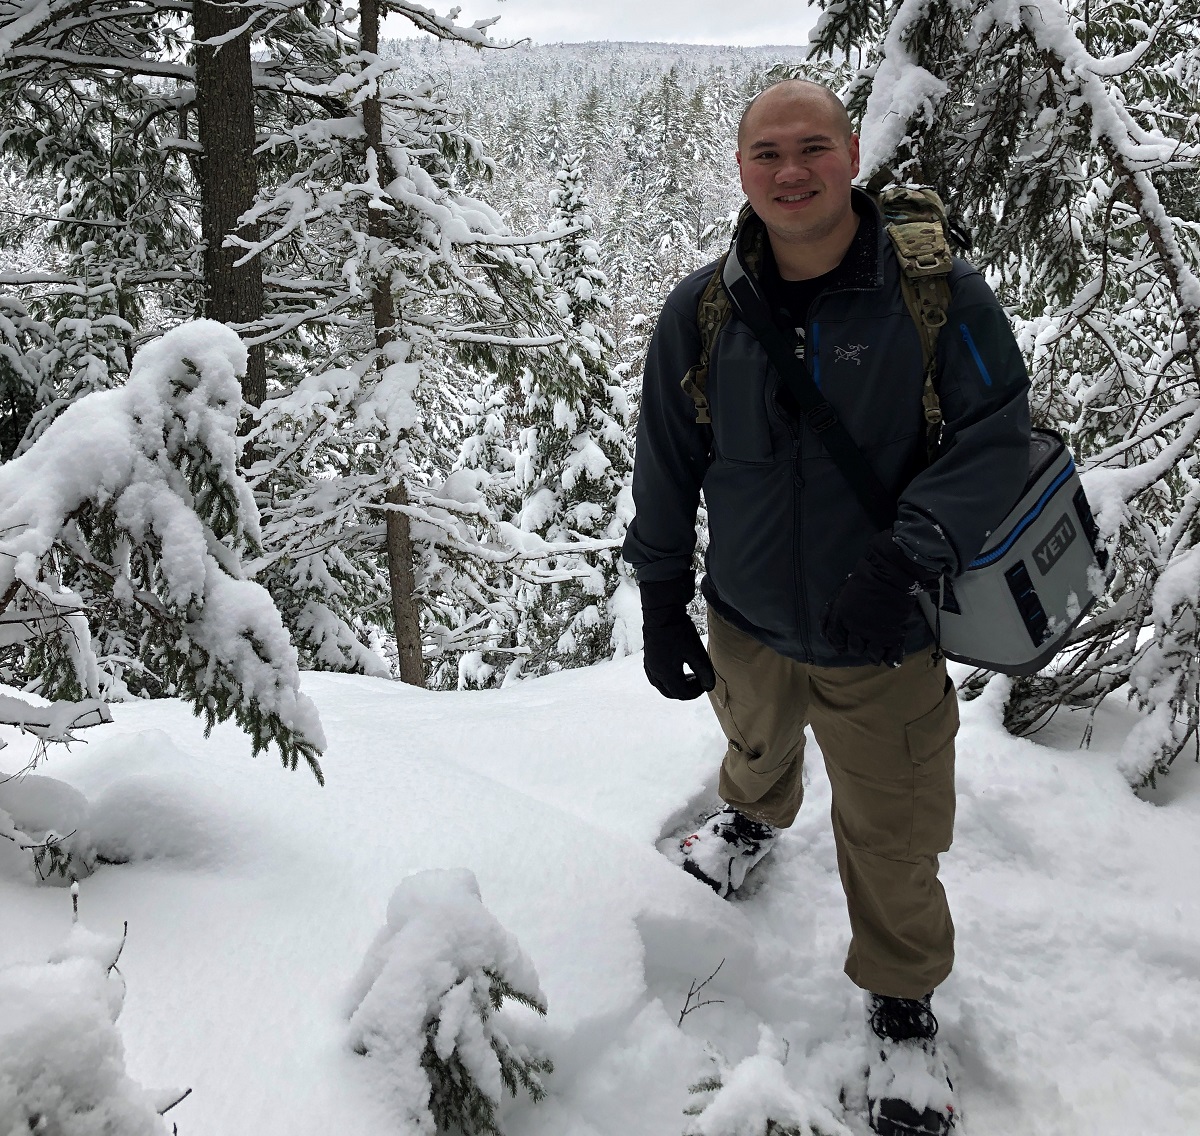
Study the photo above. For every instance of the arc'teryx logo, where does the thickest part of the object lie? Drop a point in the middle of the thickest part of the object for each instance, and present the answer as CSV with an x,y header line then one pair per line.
x,y
852,352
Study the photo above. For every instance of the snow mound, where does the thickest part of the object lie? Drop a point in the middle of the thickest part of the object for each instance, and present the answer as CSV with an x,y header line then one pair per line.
x,y
62,1064
150,816
39,804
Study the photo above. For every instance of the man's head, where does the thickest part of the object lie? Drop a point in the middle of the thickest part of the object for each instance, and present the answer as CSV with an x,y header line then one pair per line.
x,y
798,155
798,88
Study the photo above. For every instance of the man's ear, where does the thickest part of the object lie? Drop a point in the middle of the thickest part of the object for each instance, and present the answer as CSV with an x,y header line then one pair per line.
x,y
854,155
738,155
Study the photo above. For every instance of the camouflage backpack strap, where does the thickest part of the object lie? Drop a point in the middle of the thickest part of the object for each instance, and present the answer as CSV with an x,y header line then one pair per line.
x,y
915,220
712,314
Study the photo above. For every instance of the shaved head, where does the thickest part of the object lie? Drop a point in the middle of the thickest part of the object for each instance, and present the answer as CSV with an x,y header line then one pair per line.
x,y
798,90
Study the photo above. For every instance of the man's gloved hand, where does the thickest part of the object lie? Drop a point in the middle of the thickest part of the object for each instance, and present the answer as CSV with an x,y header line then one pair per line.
x,y
868,614
671,640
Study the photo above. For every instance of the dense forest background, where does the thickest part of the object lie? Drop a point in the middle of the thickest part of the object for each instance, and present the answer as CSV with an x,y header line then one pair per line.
x,y
445,261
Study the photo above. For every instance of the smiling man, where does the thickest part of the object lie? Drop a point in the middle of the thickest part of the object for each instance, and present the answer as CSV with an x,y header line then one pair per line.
x,y
812,611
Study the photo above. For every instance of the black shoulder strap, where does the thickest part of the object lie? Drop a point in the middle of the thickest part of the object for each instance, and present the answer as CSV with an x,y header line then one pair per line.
x,y
786,355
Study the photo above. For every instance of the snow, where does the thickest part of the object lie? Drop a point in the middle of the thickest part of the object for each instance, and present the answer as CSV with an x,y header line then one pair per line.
x,y
61,1060
757,1091
900,90
253,897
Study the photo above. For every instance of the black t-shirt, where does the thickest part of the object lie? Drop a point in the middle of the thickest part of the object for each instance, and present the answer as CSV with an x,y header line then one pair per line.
x,y
791,299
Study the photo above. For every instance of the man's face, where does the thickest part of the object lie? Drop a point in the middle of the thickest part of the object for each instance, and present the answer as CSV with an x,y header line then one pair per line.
x,y
797,165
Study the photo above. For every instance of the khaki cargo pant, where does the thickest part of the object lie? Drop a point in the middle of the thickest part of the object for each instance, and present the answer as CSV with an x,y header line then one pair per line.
x,y
887,735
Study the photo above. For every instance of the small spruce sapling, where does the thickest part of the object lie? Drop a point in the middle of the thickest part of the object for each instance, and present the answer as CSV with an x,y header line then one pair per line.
x,y
62,1064
424,1006
754,1098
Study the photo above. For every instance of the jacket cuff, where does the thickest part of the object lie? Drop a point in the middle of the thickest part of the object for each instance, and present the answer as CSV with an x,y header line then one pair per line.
x,y
903,565
675,592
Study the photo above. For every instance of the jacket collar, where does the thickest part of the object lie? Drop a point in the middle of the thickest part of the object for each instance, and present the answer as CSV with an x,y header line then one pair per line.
x,y
861,268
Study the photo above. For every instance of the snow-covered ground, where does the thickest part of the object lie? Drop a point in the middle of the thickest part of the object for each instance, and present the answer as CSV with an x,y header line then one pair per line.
x,y
253,895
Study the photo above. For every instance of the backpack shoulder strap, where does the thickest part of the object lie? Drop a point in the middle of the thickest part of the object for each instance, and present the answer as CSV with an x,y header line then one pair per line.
x,y
915,221
712,314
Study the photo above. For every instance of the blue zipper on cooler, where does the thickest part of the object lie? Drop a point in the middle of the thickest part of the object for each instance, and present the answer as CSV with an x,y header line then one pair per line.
x,y
1025,521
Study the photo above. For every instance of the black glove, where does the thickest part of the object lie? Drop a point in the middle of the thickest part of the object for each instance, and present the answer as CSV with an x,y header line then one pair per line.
x,y
671,640
868,614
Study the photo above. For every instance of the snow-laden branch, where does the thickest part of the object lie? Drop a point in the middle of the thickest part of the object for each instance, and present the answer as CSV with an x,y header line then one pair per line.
x,y
126,65
152,466
900,91
56,722
19,279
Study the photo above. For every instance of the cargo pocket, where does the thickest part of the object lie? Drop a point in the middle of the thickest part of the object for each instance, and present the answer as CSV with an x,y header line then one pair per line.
x,y
751,771
931,749
720,700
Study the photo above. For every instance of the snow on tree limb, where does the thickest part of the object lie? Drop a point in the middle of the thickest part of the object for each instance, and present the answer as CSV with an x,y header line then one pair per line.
x,y
901,91
146,478
56,722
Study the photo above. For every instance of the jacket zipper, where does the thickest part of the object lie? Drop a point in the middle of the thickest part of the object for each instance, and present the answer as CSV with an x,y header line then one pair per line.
x,y
816,353
966,334
813,362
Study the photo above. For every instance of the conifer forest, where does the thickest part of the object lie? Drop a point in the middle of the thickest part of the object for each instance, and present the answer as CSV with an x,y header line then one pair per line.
x,y
443,256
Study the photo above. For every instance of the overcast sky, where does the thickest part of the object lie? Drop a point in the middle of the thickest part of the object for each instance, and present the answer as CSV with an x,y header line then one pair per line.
x,y
669,21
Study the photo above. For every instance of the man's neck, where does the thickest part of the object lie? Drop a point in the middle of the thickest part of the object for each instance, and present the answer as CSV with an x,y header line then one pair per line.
x,y
806,260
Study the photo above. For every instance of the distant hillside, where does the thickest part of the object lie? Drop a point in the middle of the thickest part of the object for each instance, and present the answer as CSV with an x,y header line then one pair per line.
x,y
570,69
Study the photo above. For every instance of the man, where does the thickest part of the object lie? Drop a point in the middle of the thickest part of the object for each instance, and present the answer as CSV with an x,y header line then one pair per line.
x,y
812,611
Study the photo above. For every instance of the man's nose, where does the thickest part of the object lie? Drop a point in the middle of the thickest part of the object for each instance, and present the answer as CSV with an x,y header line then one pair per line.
x,y
793,169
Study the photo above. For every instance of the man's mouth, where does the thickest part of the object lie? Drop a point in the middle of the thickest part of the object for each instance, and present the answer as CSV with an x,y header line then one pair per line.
x,y
789,198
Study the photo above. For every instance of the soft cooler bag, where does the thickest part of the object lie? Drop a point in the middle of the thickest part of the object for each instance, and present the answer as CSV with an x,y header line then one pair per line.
x,y
1038,575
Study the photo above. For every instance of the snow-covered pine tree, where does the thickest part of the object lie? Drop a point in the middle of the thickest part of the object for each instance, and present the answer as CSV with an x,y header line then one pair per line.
x,y
413,293
107,195
1064,135
754,1098
423,1007
139,506
574,460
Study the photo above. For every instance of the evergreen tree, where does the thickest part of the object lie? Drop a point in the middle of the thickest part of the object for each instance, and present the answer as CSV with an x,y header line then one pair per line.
x,y
425,1006
574,459
413,292
111,202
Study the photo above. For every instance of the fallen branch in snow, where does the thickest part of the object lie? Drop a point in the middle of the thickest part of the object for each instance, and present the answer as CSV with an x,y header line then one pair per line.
x,y
694,992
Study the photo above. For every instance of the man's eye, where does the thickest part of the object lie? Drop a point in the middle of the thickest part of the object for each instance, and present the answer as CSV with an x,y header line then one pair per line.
x,y
765,154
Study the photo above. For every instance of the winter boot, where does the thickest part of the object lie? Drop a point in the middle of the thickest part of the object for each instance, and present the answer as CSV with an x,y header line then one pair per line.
x,y
908,1087
725,847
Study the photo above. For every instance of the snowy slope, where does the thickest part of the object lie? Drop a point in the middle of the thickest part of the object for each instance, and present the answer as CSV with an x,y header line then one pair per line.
x,y
253,894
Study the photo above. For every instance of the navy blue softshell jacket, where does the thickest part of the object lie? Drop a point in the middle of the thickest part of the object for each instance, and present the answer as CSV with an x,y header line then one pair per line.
x,y
785,528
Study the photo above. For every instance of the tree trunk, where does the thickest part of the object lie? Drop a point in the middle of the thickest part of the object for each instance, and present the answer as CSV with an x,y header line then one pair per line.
x,y
404,584
228,179
401,562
